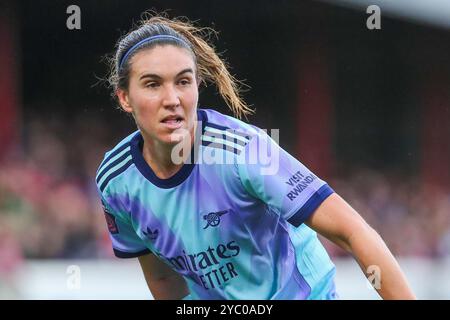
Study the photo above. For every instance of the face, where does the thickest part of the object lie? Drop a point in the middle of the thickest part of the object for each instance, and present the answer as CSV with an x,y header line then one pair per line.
x,y
163,93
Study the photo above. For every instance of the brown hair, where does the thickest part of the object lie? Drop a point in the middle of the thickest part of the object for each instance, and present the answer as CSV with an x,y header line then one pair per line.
x,y
210,67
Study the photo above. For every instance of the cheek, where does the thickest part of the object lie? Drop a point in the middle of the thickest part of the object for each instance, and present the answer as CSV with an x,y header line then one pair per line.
x,y
192,98
143,105
191,106
140,100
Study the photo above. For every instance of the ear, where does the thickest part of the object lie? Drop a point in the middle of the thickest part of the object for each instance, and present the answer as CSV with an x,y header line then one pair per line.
x,y
124,100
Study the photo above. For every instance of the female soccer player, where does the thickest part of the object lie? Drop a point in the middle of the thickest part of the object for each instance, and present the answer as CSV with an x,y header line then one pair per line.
x,y
212,206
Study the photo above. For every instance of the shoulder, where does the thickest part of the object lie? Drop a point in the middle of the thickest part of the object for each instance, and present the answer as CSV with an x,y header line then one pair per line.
x,y
115,162
215,119
226,132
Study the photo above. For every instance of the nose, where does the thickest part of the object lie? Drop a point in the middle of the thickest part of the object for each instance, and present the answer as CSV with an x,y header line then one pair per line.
x,y
171,97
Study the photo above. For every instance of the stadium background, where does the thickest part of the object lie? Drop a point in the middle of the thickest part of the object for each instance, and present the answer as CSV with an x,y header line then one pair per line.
x,y
366,110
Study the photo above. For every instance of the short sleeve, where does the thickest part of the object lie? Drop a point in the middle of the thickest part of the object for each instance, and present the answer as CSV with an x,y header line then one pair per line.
x,y
272,175
125,241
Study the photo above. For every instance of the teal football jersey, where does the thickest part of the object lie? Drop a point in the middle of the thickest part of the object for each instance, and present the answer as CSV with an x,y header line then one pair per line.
x,y
230,221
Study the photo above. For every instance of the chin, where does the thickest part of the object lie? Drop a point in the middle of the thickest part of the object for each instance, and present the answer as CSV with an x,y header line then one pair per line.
x,y
174,137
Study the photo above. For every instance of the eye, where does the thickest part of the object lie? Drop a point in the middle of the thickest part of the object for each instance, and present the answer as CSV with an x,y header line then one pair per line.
x,y
184,82
152,84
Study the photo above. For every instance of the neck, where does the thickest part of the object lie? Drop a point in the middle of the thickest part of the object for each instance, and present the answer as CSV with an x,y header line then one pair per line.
x,y
159,156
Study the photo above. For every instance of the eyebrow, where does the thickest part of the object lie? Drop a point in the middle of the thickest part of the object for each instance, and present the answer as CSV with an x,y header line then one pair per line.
x,y
153,75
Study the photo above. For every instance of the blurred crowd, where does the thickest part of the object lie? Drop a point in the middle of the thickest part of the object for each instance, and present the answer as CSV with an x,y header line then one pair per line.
x,y
412,218
49,206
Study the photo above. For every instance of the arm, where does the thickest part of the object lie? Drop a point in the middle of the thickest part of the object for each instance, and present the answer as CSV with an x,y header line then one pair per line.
x,y
339,222
163,282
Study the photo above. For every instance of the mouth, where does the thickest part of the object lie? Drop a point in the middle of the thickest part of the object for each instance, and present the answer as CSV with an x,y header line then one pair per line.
x,y
172,121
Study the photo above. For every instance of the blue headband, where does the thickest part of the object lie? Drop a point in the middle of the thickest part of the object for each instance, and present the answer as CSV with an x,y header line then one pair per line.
x,y
149,39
